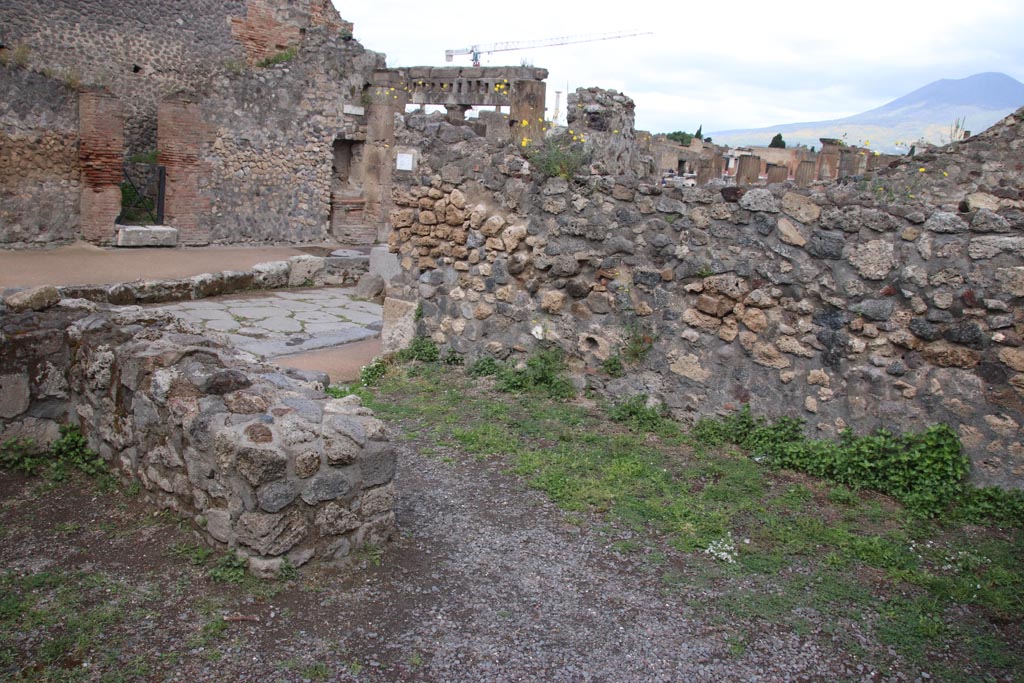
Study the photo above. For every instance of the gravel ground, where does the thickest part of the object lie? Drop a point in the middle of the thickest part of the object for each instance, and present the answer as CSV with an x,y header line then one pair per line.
x,y
487,581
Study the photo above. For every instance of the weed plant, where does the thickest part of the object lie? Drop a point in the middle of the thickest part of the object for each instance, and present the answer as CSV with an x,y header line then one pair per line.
x,y
559,157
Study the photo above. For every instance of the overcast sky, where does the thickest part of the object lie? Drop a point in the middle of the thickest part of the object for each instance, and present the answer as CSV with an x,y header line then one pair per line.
x,y
727,64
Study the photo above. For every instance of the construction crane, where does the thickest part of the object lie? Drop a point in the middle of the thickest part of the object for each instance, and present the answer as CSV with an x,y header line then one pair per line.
x,y
477,50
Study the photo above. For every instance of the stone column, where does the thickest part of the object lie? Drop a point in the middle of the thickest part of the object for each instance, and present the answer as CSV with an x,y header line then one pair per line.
x,y
805,173
101,133
777,173
527,104
748,170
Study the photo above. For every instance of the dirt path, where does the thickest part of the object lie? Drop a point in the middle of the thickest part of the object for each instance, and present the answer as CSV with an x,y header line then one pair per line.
x,y
488,581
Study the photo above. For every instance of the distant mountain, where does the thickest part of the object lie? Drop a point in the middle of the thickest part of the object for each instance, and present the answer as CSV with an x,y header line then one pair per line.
x,y
928,113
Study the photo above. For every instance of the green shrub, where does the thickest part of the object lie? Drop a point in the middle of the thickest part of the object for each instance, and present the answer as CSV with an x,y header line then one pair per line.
x,y
71,449
559,157
229,569
21,455
639,341
638,416
279,58
924,471
991,505
544,373
484,367
371,374
422,349
613,366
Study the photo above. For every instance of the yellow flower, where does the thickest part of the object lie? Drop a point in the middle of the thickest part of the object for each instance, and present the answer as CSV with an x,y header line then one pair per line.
x,y
525,142
525,123
921,170
615,131
945,175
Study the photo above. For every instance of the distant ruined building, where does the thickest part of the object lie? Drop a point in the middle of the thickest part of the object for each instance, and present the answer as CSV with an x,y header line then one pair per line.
x,y
272,123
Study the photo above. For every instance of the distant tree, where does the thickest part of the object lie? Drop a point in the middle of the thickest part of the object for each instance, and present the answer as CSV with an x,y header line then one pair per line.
x,y
777,142
813,149
700,132
707,139
682,137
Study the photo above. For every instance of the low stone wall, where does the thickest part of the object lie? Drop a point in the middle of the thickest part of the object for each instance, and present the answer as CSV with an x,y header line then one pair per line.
x,y
298,271
259,462
890,302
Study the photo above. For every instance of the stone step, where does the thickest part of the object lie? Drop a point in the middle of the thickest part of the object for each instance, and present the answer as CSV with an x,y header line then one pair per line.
x,y
146,236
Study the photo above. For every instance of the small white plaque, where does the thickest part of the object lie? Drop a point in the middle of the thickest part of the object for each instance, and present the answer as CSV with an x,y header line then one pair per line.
x,y
353,110
403,161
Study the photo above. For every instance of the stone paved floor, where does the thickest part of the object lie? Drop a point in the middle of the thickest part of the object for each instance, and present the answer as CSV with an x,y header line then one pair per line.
x,y
279,323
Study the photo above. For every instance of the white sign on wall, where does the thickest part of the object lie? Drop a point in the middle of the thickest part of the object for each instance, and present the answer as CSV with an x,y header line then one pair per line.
x,y
403,161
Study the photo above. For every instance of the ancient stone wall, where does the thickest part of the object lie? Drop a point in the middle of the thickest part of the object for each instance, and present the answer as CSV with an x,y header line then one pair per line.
x,y
139,50
39,165
259,462
891,302
256,149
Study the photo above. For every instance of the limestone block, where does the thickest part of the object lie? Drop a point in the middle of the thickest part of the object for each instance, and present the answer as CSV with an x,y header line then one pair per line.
x,y
402,218
15,396
993,245
218,525
759,199
305,270
552,301
399,324
492,226
689,366
874,259
34,299
945,222
260,465
1012,356
790,233
800,207
328,484
334,518
271,534
147,236
767,355
271,275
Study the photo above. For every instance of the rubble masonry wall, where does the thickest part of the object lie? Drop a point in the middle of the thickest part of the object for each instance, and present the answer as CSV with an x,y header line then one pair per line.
x,y
260,462
887,302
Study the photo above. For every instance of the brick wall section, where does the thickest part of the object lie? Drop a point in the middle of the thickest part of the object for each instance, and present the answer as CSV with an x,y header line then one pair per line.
x,y
267,28
101,132
181,134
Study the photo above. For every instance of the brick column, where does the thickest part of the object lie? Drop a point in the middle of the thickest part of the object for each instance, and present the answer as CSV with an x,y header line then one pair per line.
x,y
101,132
181,134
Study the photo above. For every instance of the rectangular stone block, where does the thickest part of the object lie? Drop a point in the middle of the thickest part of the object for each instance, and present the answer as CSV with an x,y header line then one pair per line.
x,y
147,236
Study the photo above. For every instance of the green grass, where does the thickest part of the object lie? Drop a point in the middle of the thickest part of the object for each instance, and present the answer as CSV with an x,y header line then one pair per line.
x,y
928,591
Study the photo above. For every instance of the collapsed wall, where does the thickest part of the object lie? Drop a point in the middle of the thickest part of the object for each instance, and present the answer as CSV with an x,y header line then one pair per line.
x,y
892,301
260,462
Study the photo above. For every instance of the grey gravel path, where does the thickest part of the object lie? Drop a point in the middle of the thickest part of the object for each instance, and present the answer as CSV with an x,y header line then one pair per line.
x,y
279,323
